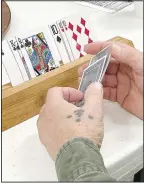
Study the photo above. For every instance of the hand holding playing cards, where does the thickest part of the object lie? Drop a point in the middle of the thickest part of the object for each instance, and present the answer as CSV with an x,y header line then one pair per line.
x,y
123,81
61,121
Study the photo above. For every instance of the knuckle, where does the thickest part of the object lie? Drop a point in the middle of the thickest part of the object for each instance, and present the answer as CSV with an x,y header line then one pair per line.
x,y
51,90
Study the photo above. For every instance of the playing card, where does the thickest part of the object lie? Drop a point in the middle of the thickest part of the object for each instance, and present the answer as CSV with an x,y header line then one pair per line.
x,y
92,74
59,43
52,46
48,38
102,53
39,53
11,65
108,56
26,60
78,31
65,40
95,71
19,59
5,77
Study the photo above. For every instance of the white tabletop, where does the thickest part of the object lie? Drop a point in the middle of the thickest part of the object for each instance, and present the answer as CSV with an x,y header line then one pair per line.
x,y
23,156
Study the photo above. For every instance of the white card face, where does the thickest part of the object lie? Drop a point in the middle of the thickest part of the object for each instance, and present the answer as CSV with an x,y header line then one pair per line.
x,y
52,46
11,65
48,39
92,74
21,46
28,66
65,40
78,31
5,77
39,53
19,57
59,43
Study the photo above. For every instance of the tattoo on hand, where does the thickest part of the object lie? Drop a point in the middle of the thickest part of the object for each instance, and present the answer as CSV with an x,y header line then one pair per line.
x,y
90,117
69,116
78,120
78,114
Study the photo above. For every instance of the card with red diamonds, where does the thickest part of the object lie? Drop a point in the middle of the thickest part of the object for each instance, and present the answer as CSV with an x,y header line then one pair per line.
x,y
78,30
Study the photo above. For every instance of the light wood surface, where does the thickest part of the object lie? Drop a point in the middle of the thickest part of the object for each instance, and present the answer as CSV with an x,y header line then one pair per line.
x,y
24,101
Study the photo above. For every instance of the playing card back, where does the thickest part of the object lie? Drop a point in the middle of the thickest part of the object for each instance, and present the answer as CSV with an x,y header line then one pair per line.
x,y
92,74
105,52
100,54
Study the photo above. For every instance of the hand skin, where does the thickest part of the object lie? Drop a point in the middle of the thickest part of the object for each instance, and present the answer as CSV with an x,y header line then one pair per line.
x,y
60,121
123,81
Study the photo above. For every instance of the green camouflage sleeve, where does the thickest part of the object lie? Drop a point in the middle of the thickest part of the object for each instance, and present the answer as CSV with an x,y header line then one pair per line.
x,y
80,160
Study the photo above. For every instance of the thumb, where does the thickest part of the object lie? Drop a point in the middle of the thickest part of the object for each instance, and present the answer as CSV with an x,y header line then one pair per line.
x,y
128,55
94,100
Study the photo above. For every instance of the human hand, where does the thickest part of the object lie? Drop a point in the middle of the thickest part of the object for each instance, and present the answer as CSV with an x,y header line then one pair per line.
x,y
123,81
61,121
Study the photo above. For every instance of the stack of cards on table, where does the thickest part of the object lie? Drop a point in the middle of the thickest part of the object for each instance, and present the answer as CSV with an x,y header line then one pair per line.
x,y
26,57
95,70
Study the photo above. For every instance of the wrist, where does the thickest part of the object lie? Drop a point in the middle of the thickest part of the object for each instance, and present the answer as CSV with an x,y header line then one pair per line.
x,y
77,157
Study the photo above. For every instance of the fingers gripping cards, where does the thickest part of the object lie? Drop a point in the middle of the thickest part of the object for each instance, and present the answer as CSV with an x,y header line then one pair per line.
x,y
95,70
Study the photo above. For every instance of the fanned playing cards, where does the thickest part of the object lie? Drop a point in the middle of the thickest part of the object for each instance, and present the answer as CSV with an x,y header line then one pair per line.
x,y
35,53
95,70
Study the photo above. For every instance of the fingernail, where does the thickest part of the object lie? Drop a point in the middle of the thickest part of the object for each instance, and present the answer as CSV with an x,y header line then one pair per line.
x,y
86,47
116,48
98,85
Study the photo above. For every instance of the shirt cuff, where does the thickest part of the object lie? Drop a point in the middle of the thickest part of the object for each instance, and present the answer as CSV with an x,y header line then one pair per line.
x,y
78,157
